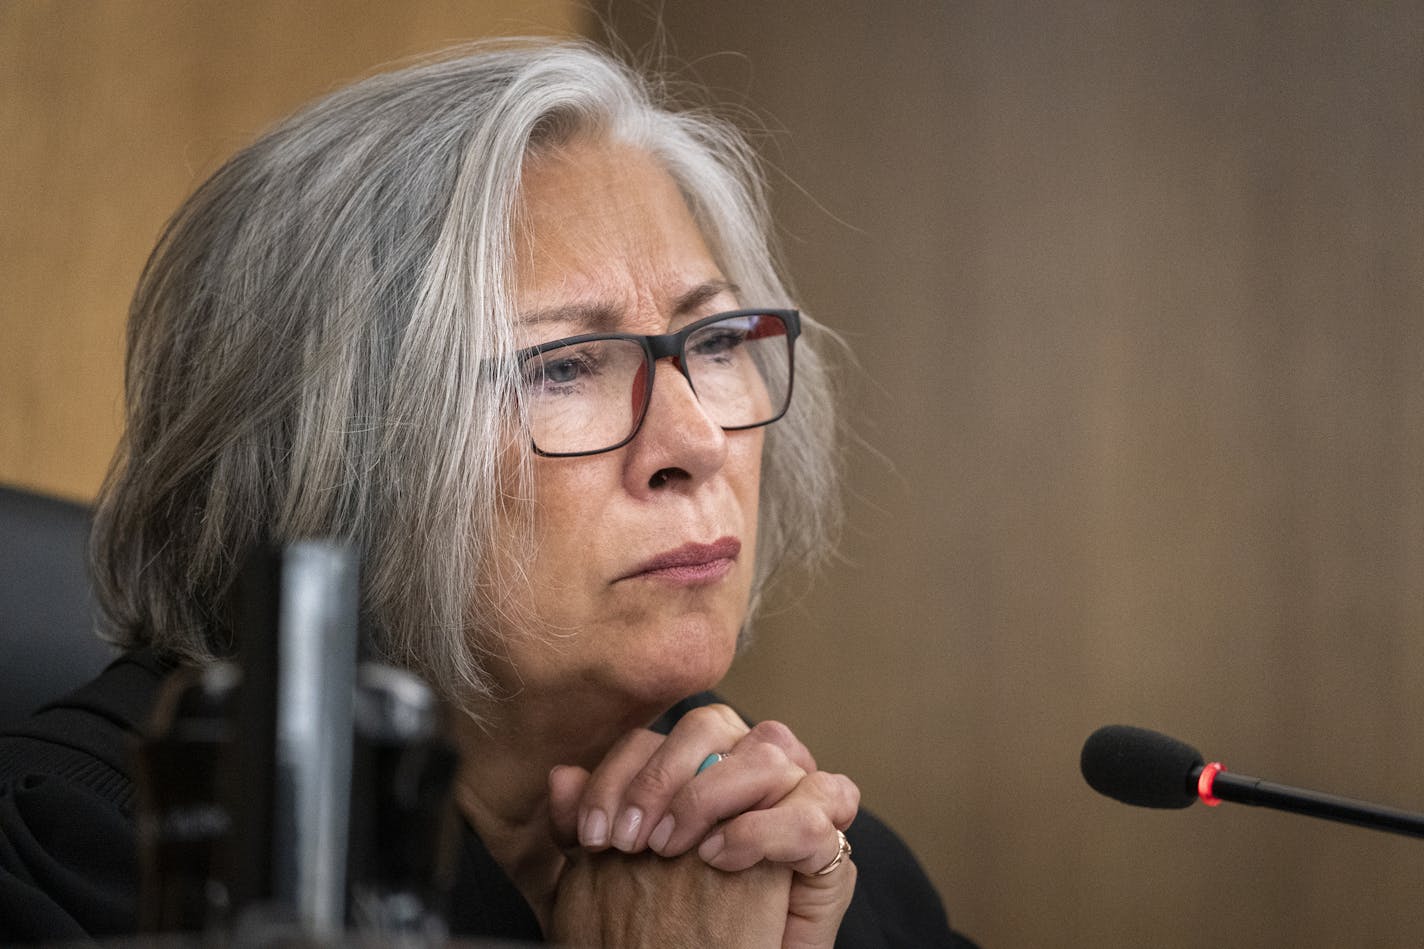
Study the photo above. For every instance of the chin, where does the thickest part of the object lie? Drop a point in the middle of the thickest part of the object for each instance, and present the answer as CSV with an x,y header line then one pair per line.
x,y
692,659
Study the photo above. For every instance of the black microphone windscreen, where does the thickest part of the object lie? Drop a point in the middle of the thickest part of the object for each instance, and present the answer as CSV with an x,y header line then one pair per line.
x,y
1140,767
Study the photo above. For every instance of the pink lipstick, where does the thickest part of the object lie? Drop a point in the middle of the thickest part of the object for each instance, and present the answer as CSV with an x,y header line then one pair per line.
x,y
691,564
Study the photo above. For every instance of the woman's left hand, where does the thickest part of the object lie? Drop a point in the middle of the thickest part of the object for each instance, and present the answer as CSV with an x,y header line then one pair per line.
x,y
765,800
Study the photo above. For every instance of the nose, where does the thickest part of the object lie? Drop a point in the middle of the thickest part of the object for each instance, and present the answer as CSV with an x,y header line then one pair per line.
x,y
678,445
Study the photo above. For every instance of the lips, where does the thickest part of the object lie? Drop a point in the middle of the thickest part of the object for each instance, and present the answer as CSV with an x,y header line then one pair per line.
x,y
691,563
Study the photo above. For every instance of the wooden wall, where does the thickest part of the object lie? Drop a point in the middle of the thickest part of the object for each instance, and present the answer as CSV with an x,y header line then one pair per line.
x,y
111,112
1138,295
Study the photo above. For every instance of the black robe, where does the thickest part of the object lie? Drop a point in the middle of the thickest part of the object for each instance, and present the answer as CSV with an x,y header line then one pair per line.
x,y
68,867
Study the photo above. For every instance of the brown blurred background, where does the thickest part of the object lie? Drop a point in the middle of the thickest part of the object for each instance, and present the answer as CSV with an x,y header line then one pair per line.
x,y
1138,295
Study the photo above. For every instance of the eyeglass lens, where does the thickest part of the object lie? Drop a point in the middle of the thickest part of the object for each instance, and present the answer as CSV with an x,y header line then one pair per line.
x,y
590,396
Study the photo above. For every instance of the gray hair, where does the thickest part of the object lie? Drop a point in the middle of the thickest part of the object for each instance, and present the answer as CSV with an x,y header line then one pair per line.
x,y
310,345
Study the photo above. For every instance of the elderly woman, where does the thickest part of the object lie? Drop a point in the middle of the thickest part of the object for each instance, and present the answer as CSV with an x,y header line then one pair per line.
x,y
514,331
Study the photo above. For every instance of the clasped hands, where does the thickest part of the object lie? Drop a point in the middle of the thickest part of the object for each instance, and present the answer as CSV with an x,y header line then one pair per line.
x,y
662,854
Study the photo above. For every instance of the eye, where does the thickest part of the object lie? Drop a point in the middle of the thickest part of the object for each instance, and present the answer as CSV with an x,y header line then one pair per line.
x,y
718,340
561,370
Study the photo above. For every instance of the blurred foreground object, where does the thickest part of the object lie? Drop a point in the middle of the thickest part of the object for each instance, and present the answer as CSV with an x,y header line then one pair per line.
x,y
284,795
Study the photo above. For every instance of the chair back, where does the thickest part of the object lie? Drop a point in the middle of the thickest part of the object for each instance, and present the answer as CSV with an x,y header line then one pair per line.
x,y
48,644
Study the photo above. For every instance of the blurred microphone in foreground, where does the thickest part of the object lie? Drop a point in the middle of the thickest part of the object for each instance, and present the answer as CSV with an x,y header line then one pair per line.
x,y
292,792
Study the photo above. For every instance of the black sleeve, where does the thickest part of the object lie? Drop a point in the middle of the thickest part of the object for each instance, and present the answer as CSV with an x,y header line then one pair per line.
x,y
67,867
895,905
68,857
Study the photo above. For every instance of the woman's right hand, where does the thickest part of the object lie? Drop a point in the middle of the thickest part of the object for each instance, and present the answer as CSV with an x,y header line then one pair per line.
x,y
644,901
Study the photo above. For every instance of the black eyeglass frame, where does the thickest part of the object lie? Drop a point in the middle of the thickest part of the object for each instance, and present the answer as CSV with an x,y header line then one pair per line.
x,y
661,346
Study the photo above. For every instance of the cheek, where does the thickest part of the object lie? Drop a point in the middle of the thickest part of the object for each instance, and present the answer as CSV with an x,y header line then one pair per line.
x,y
744,470
566,493
568,512
544,517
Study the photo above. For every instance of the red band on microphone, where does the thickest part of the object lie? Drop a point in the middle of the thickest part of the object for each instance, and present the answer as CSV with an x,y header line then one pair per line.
x,y
1206,781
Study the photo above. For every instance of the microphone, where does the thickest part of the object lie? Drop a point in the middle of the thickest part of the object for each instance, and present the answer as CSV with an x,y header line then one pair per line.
x,y
1148,769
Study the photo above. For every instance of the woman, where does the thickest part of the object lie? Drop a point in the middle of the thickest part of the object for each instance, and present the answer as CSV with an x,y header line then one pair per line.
x,y
515,332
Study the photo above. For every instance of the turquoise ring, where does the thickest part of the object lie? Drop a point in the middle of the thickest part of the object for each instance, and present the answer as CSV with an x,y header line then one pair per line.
x,y
709,761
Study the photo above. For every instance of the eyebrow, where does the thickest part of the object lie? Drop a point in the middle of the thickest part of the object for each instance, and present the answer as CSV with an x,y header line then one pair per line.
x,y
603,317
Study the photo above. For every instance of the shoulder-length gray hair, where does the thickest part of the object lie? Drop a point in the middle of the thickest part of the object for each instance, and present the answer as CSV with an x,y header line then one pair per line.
x,y
309,346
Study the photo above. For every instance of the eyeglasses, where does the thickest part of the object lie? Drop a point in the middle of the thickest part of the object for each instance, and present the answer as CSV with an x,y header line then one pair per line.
x,y
589,394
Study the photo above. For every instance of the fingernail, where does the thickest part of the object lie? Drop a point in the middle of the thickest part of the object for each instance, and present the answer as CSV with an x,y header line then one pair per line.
x,y
661,834
595,829
712,847
625,832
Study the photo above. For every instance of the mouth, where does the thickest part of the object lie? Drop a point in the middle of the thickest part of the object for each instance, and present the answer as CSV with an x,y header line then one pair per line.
x,y
691,564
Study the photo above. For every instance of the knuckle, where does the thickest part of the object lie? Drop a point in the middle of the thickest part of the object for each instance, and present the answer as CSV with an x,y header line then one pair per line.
x,y
824,783
600,786
653,782
701,714
763,757
712,720
689,804
729,716
836,789
774,733
828,789
838,798
810,823
750,829
850,792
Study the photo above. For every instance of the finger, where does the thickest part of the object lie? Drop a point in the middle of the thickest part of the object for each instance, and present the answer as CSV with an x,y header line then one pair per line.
x,y
702,731
800,831
601,804
779,735
765,764
566,786
817,905
757,776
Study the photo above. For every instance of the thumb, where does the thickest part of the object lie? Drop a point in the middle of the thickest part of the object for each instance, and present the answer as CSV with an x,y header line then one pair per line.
x,y
566,784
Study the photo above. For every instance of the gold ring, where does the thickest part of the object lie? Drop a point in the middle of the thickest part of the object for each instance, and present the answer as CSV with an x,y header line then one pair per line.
x,y
842,851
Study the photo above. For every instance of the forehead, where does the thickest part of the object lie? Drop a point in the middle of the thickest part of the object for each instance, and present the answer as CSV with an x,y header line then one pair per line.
x,y
602,225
